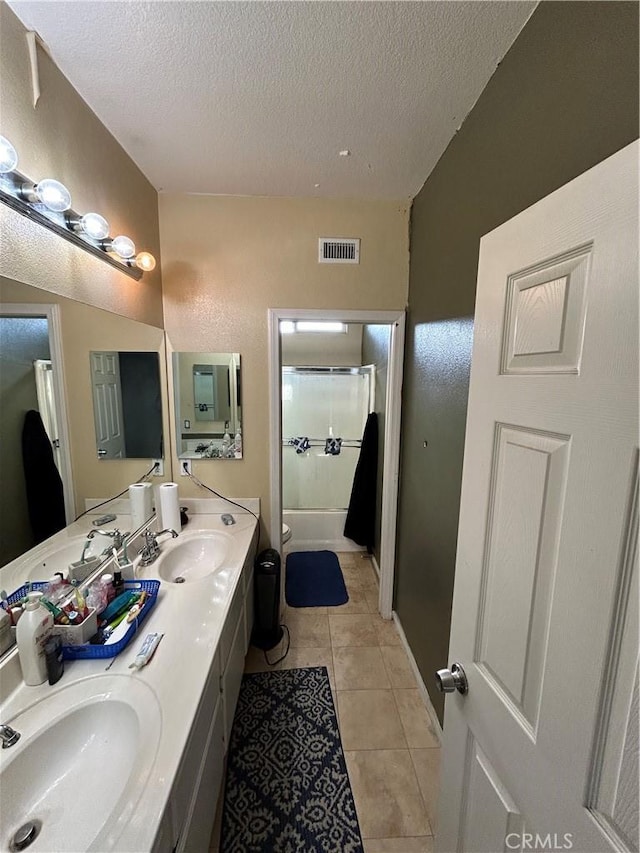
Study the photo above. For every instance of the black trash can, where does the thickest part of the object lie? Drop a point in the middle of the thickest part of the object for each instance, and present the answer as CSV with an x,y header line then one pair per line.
x,y
267,631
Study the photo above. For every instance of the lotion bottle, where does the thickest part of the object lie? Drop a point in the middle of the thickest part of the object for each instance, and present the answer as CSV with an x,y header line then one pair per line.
x,y
32,633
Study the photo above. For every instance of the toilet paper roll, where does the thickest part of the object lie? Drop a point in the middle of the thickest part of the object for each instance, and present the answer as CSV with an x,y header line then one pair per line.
x,y
169,507
140,498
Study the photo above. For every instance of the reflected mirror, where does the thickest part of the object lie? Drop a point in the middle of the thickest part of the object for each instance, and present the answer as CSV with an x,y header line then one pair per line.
x,y
127,404
208,411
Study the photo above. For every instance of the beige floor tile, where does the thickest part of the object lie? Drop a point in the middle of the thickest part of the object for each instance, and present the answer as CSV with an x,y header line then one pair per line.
x,y
388,800
372,598
255,662
357,602
398,666
386,631
352,575
359,668
369,579
300,657
423,844
319,611
427,766
352,630
415,719
369,720
308,629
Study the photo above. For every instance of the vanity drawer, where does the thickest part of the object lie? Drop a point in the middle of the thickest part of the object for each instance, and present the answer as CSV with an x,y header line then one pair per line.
x,y
230,624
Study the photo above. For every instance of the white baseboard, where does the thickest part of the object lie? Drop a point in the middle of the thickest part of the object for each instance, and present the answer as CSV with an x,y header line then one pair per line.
x,y
435,722
375,565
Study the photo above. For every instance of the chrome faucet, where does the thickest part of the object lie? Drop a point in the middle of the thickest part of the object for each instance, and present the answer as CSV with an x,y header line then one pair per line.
x,y
151,550
8,736
117,536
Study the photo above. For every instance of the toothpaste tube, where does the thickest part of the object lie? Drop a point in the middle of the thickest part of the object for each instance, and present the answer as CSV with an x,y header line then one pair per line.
x,y
147,650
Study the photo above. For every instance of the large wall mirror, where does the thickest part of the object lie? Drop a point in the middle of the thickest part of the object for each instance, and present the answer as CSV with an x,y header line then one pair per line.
x,y
25,385
208,410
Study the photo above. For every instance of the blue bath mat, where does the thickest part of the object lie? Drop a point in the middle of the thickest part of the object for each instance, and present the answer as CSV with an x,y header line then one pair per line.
x,y
287,787
314,579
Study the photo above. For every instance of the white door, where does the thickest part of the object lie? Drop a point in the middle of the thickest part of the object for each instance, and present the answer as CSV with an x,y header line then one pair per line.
x,y
107,405
542,752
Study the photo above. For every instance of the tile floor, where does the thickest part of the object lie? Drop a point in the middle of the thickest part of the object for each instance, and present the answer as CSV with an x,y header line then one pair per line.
x,y
391,750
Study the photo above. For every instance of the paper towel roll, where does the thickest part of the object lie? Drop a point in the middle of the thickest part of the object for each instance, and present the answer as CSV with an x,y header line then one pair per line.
x,y
140,498
169,507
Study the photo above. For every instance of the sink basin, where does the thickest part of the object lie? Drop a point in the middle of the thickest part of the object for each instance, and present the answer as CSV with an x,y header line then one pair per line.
x,y
193,558
58,559
84,755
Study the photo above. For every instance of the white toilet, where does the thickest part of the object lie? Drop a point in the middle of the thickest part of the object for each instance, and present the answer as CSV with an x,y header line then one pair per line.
x,y
286,533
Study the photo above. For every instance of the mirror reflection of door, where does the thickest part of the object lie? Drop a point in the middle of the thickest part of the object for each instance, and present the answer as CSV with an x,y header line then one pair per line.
x,y
107,404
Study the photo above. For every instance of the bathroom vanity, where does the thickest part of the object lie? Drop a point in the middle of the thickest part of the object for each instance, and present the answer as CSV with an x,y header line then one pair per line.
x,y
128,760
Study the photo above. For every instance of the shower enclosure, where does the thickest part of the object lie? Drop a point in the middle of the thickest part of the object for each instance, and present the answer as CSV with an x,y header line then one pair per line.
x,y
318,404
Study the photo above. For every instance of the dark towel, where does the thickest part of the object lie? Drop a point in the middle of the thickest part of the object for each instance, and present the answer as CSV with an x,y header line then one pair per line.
x,y
361,515
45,496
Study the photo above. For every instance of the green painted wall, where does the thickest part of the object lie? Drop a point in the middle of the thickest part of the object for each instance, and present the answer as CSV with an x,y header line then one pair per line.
x,y
564,98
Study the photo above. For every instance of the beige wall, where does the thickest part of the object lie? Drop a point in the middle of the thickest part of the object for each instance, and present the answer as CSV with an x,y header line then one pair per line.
x,y
85,328
63,139
225,261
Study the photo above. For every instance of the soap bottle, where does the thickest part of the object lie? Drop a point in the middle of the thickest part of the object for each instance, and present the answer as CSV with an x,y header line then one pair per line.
x,y
32,633
238,443
107,584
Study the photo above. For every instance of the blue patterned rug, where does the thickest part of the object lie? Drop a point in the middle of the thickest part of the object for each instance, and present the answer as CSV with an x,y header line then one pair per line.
x,y
287,788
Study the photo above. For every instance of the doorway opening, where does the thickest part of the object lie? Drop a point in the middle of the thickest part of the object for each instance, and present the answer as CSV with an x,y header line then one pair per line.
x,y
321,393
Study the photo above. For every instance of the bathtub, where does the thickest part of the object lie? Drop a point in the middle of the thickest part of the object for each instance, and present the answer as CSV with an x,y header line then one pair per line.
x,y
317,530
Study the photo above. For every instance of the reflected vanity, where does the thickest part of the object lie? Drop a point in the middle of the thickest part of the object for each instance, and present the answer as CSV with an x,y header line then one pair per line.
x,y
208,412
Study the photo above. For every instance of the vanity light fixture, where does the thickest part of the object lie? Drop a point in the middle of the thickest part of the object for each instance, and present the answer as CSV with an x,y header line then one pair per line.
x,y
145,261
8,156
48,202
121,245
91,224
54,195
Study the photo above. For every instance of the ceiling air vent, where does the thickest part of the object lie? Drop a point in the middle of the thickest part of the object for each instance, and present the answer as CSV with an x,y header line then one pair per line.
x,y
336,250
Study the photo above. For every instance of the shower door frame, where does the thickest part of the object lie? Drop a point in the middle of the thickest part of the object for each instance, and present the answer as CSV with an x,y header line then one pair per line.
x,y
391,460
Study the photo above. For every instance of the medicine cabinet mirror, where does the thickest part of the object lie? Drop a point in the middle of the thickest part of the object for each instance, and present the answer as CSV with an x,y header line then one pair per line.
x,y
127,404
208,409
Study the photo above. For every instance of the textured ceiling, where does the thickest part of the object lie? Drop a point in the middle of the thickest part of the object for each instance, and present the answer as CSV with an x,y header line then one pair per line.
x,y
249,98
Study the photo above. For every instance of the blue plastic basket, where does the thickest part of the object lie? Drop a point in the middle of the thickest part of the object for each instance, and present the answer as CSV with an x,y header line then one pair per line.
x,y
106,651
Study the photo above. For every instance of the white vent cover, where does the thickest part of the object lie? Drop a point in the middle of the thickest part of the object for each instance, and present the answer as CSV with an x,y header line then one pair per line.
x,y
338,250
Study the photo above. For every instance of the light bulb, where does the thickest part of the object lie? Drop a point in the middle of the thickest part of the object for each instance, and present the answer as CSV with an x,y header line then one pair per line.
x,y
145,261
53,195
8,156
123,246
94,226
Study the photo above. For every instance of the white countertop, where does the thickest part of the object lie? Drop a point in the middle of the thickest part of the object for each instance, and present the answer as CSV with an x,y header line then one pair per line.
x,y
191,617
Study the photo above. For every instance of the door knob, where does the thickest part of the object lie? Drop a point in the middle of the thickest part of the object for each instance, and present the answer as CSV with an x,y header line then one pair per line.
x,y
102,452
448,680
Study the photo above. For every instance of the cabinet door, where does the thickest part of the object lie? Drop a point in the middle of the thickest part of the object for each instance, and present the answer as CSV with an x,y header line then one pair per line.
x,y
248,613
232,678
187,778
197,833
228,632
